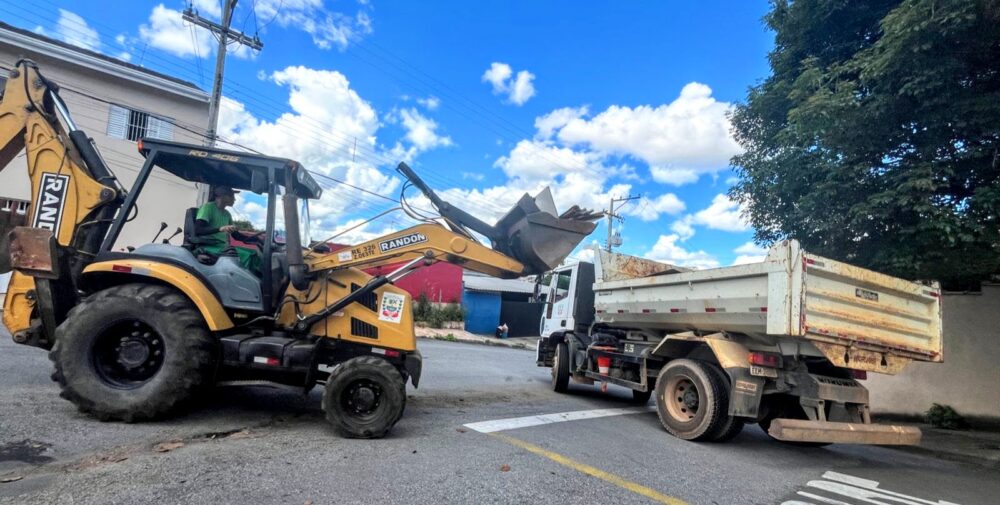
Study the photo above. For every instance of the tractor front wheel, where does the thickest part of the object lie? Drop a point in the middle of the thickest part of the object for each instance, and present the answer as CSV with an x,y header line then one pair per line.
x,y
364,397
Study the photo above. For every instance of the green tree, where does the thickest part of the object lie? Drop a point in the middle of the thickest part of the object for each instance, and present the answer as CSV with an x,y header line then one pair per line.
x,y
243,225
875,139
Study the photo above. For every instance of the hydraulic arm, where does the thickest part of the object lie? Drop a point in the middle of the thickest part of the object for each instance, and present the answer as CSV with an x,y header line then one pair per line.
x,y
73,199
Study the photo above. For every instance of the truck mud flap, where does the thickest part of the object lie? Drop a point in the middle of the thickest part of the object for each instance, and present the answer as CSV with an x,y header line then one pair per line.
x,y
797,430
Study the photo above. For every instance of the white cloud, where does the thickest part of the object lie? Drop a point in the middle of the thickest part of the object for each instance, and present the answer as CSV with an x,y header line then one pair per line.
x,y
421,130
168,31
212,8
325,119
476,176
498,74
429,103
551,122
534,160
421,134
326,28
746,259
723,214
680,141
650,209
666,250
584,253
749,253
750,248
518,88
73,29
522,89
683,228
355,231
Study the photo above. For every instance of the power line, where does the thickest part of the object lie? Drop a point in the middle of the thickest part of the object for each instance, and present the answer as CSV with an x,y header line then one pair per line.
x,y
377,158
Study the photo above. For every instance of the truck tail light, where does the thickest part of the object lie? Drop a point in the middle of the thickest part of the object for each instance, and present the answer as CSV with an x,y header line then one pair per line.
x,y
767,359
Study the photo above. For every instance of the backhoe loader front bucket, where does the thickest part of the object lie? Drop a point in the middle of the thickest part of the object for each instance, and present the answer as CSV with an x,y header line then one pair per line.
x,y
532,232
539,238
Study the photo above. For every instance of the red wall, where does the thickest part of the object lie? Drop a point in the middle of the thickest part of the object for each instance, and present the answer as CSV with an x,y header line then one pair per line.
x,y
441,282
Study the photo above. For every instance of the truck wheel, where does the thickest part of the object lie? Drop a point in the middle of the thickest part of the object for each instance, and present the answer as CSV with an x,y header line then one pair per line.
x,y
133,352
364,397
732,425
560,369
690,400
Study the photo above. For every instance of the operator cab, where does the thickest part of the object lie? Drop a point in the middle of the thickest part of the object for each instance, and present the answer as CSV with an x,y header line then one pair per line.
x,y
271,178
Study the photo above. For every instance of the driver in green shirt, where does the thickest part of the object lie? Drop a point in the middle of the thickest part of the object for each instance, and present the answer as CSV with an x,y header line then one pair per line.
x,y
213,224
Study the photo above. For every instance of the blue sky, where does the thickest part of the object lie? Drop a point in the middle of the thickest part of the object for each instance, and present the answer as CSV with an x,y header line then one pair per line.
x,y
485,99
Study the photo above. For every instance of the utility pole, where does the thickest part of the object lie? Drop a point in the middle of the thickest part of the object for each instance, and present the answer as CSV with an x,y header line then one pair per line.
x,y
612,214
224,35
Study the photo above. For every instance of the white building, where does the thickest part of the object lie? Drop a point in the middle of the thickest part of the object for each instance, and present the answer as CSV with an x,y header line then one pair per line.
x,y
115,103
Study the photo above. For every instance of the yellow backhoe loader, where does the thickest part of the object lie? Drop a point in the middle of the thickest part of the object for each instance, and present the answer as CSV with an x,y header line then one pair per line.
x,y
133,335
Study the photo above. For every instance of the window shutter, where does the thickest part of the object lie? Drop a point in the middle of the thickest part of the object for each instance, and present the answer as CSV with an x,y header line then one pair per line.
x,y
160,129
117,121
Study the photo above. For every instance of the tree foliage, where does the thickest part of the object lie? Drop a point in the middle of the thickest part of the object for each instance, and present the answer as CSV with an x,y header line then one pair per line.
x,y
243,225
875,139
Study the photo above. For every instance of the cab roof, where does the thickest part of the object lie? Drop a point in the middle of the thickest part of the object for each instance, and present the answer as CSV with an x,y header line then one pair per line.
x,y
220,167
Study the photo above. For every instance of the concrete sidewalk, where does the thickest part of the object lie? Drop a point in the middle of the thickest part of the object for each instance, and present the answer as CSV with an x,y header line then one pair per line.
x,y
455,335
966,446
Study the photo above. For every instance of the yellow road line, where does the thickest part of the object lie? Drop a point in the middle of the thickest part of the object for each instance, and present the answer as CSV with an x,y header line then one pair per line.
x,y
652,494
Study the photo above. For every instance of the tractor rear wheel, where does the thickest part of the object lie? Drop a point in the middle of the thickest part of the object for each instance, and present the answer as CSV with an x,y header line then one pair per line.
x,y
133,352
364,397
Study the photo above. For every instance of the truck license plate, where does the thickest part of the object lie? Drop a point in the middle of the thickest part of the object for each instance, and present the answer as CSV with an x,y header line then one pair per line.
x,y
761,371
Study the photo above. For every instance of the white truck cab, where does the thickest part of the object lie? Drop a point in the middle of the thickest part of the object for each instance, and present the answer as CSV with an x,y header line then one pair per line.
x,y
567,289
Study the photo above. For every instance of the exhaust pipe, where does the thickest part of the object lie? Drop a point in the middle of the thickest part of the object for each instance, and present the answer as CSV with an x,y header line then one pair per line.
x,y
298,273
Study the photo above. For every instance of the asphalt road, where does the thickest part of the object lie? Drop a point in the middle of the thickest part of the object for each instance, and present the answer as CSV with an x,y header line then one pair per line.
x,y
271,445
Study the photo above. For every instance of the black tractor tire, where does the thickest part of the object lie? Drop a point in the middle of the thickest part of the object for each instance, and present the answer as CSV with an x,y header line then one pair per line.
x,y
732,425
364,397
560,369
641,397
173,354
690,400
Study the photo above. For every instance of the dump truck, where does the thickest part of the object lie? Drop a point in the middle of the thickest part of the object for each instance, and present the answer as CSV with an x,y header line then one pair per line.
x,y
784,342
134,335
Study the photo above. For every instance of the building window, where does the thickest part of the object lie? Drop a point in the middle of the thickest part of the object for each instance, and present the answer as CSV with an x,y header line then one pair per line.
x,y
16,206
130,124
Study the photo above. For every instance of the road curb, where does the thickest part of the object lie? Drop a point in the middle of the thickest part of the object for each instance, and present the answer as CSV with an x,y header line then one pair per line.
x,y
486,342
988,463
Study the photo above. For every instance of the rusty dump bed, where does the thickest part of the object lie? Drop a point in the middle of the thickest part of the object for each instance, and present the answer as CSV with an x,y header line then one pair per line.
x,y
857,318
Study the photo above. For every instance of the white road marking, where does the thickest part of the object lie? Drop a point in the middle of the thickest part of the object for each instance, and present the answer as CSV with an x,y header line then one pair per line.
x,y
538,420
857,490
